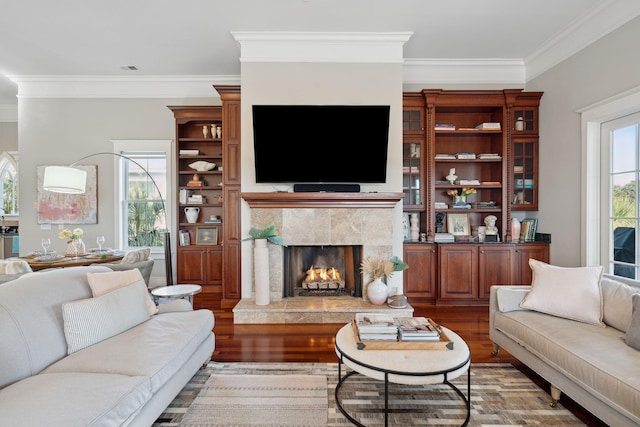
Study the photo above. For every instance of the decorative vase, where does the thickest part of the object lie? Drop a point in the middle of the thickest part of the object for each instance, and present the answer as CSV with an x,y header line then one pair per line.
x,y
205,131
460,200
213,131
219,131
81,248
515,230
415,227
192,214
406,227
377,292
261,272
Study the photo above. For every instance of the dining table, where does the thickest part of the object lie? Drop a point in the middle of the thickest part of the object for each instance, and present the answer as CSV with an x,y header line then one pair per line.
x,y
39,262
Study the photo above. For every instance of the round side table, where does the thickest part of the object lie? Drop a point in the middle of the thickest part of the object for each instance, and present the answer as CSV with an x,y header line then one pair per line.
x,y
176,292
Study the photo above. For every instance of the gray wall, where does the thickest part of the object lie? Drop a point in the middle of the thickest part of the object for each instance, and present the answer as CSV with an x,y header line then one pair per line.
x,y
608,67
8,136
61,131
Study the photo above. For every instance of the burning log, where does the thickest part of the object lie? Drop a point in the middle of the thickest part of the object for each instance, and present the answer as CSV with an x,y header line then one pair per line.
x,y
322,279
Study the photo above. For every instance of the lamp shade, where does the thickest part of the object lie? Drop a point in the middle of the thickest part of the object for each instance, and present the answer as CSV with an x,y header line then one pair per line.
x,y
64,179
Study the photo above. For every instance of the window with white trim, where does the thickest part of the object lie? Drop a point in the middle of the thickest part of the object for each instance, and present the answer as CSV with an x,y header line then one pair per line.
x,y
620,216
142,215
9,187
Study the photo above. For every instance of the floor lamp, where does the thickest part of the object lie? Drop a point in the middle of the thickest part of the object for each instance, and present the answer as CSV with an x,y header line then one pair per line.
x,y
71,180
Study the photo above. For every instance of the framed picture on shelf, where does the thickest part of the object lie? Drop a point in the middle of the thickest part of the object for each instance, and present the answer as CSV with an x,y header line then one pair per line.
x,y
528,229
458,224
207,236
185,240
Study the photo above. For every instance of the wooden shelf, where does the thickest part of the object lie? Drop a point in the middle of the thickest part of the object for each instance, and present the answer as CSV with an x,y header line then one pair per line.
x,y
321,200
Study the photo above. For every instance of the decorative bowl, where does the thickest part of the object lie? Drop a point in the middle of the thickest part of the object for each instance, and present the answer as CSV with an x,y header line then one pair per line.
x,y
201,166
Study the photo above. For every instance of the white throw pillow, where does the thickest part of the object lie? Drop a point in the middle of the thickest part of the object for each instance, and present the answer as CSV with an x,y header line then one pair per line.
x,y
632,336
616,302
509,299
136,255
101,283
14,266
572,293
91,320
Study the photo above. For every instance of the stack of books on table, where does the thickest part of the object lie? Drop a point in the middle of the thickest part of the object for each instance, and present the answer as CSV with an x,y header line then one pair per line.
x,y
416,329
376,327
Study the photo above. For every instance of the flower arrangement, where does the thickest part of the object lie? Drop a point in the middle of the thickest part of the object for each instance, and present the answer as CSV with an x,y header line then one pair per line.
x,y
71,235
464,192
378,268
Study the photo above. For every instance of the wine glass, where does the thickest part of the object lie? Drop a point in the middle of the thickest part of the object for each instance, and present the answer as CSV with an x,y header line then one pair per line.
x,y
76,247
100,241
46,243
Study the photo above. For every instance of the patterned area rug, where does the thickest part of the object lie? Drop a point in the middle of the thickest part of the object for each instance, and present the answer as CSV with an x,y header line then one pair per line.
x,y
500,396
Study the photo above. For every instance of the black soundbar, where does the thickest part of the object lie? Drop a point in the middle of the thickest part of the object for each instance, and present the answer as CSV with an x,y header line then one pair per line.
x,y
333,188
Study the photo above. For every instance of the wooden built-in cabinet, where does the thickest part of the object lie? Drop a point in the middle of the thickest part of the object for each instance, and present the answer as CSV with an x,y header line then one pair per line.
x,y
501,165
212,263
463,273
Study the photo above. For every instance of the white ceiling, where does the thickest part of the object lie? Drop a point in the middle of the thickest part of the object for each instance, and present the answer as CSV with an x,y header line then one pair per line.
x,y
189,38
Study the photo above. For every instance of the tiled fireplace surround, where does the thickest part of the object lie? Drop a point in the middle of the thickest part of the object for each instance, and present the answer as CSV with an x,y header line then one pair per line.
x,y
313,220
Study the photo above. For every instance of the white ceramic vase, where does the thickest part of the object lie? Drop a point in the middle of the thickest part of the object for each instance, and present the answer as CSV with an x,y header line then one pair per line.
x,y
377,292
261,272
192,214
81,248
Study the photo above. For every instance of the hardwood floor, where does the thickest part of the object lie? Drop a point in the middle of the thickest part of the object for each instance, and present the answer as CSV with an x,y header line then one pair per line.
x,y
314,343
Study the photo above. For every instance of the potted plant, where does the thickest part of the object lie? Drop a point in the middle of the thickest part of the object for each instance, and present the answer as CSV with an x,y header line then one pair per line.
x,y
261,260
380,270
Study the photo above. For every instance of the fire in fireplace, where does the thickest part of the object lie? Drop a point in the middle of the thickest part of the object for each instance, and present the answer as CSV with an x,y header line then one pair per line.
x,y
322,271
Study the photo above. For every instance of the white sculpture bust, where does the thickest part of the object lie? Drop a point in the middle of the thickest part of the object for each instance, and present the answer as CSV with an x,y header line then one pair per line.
x,y
490,222
452,175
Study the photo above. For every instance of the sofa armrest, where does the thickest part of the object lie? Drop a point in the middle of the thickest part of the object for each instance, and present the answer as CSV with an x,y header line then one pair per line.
x,y
175,305
493,300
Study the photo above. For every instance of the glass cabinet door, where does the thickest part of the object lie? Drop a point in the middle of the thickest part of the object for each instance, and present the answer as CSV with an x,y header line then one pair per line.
x,y
412,173
525,175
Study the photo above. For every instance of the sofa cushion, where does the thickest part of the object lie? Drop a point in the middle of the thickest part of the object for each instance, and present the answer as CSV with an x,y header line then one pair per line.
x,y
572,293
14,266
136,255
157,348
101,283
73,400
92,320
591,355
632,337
616,301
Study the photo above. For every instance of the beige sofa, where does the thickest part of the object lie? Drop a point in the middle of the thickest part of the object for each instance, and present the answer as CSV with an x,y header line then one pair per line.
x,y
49,374
592,364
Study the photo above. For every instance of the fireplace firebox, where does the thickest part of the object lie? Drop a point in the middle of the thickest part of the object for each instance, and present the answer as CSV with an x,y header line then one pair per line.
x,y
322,271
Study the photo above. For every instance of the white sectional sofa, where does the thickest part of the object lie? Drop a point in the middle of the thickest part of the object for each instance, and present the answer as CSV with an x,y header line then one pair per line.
x,y
52,373
593,364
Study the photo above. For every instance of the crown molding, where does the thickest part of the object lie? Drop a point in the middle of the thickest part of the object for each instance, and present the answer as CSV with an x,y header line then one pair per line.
x,y
604,18
8,113
464,71
120,87
341,47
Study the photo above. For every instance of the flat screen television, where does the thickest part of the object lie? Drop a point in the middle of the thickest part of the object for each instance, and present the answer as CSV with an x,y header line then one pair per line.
x,y
321,144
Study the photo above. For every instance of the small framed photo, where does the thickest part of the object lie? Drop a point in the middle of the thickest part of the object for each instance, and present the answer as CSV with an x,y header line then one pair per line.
x,y
528,229
207,236
458,224
185,240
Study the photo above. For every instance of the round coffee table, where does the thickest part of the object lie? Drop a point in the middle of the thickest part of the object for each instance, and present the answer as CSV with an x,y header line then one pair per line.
x,y
413,367
177,291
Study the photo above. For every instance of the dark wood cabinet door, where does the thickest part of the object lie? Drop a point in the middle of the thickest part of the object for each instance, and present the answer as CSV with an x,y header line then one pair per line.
x,y
525,252
494,267
458,271
419,280
192,266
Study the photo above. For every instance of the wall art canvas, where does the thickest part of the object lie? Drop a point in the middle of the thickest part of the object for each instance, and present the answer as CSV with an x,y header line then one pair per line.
x,y
58,208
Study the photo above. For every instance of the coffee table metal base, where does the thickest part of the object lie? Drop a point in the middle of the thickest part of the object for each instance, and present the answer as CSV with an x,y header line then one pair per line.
x,y
402,367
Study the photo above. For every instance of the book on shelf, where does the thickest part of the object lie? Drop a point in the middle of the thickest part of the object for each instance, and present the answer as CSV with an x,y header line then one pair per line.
x,y
194,183
184,152
184,195
490,156
440,205
489,126
444,238
444,126
441,156
491,183
461,206
465,156
468,182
